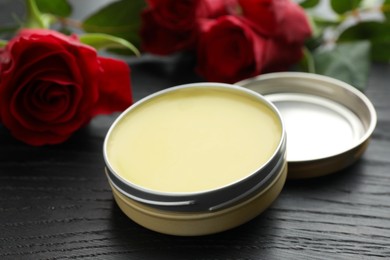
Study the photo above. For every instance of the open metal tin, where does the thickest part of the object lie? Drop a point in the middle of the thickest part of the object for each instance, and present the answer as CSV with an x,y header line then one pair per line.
x,y
328,122
175,210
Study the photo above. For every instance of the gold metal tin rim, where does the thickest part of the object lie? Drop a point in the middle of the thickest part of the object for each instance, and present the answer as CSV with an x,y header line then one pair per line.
x,y
201,223
298,85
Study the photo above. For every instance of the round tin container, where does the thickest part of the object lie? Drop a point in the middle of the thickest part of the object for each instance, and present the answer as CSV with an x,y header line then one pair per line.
x,y
198,211
328,122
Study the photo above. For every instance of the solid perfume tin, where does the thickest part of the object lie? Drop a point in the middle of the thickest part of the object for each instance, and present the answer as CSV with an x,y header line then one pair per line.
x,y
328,122
196,159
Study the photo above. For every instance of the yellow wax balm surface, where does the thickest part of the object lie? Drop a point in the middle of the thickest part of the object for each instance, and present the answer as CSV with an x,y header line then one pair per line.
x,y
193,140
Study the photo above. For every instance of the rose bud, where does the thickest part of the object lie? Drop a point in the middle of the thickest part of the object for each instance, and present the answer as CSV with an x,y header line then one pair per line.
x,y
284,24
229,50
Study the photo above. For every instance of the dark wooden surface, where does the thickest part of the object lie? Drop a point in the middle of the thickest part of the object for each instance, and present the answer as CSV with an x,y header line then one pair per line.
x,y
55,202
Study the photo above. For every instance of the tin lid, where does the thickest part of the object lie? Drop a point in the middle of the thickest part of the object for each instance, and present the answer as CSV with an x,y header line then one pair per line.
x,y
328,122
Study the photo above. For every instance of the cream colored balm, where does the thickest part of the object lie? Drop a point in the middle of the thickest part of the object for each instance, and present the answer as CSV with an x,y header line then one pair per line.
x,y
193,140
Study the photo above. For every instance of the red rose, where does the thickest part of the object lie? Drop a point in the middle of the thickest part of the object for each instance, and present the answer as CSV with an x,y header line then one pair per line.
x,y
282,19
290,33
280,56
229,50
267,36
51,85
266,14
170,25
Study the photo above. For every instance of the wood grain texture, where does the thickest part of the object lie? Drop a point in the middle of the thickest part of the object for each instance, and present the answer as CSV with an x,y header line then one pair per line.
x,y
55,202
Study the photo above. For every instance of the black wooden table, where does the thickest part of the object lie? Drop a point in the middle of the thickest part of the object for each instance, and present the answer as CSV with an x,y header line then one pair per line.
x,y
55,202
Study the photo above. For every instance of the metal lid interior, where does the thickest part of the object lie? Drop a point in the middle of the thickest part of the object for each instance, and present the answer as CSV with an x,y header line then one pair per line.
x,y
328,122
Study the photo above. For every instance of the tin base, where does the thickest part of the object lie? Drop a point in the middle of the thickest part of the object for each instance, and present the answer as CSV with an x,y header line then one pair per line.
x,y
201,223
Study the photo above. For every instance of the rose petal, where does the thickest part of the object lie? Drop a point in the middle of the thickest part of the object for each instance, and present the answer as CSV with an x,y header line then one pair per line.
x,y
265,14
24,70
169,40
229,50
36,138
294,28
279,57
30,86
50,101
39,34
72,118
115,88
215,8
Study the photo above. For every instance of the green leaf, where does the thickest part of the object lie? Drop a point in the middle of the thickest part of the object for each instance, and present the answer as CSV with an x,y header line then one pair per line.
x,y
378,33
343,6
34,16
320,22
102,41
307,62
56,7
349,62
309,3
363,30
319,25
121,19
3,43
9,29
386,9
